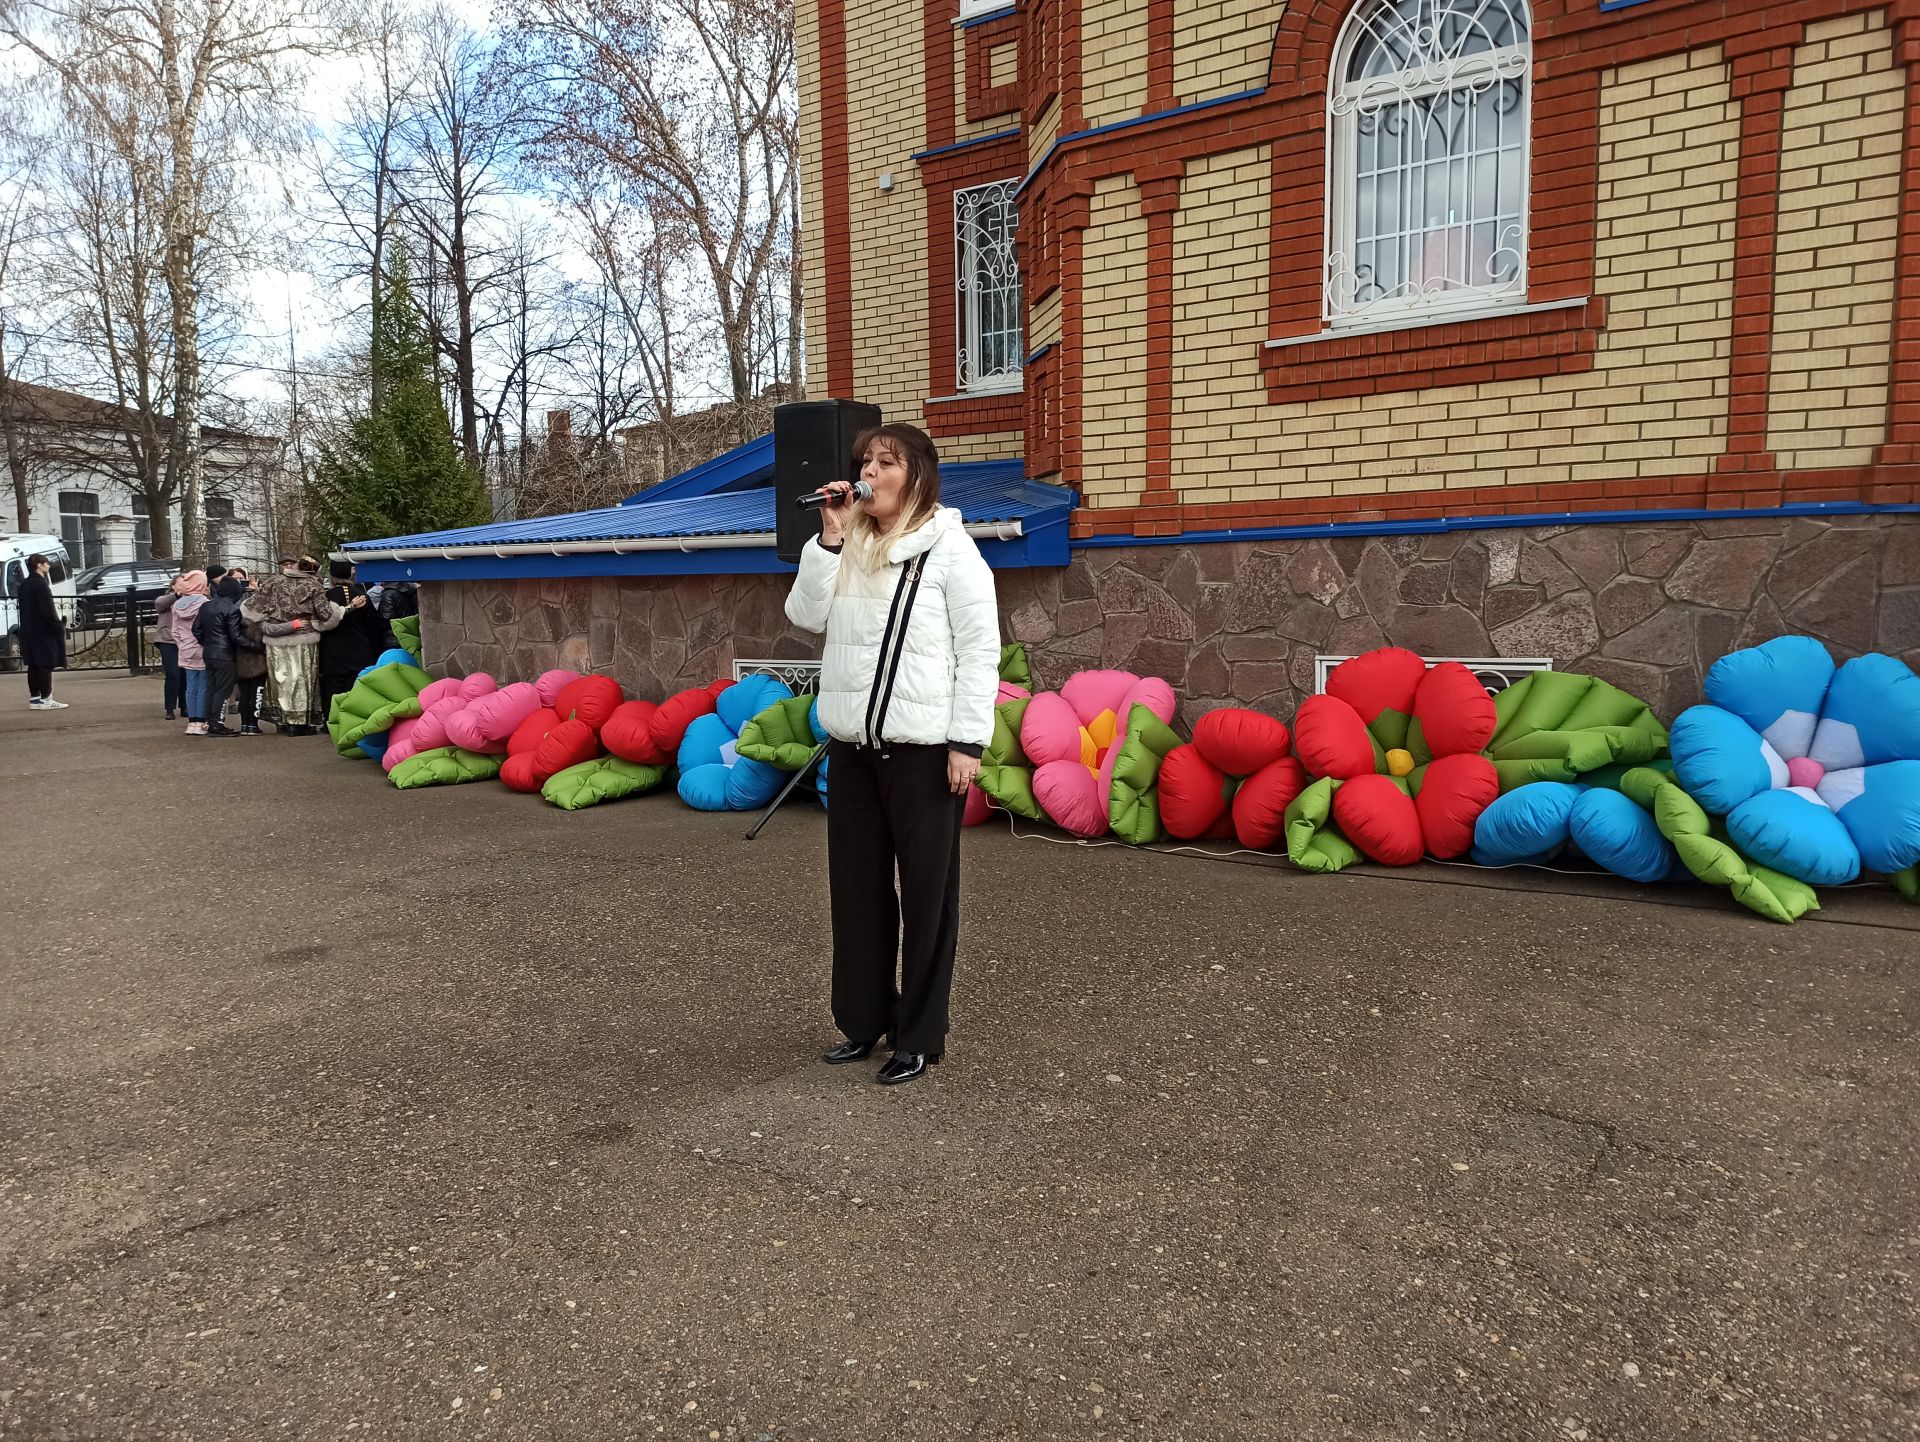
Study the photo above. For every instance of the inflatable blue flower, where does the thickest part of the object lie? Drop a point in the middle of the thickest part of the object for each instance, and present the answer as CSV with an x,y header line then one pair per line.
x,y
714,776
1815,767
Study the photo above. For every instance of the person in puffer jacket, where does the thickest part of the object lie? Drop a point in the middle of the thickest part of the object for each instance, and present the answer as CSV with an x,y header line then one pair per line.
x,y
907,685
176,627
223,639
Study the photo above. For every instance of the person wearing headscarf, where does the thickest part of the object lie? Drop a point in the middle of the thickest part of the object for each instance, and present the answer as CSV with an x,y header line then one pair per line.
x,y
293,613
356,642
176,629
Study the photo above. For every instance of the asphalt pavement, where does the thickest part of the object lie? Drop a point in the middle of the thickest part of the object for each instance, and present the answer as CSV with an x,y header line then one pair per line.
x,y
330,1111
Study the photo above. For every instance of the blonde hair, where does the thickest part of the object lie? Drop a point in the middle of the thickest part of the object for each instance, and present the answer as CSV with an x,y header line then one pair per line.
x,y
867,545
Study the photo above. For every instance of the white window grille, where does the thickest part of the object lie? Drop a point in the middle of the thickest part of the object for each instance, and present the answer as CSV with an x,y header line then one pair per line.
x,y
80,527
987,277
1427,170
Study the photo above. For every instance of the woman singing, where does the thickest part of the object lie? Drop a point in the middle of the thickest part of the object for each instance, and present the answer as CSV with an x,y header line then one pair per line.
x,y
907,687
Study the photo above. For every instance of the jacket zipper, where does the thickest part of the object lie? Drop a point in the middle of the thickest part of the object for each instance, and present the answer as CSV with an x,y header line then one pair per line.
x,y
880,658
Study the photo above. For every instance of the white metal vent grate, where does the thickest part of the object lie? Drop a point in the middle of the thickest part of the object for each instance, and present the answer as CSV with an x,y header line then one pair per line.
x,y
1496,673
802,676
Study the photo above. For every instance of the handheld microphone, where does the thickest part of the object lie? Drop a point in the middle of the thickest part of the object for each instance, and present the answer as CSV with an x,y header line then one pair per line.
x,y
861,492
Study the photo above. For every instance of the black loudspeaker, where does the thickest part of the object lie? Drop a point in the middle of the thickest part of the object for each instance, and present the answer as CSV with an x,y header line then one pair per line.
x,y
812,444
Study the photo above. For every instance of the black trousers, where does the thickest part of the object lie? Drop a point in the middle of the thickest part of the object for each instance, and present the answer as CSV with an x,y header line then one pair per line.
x,y
220,679
39,682
889,813
247,691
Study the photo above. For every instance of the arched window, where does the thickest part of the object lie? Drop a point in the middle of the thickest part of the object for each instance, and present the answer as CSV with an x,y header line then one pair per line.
x,y
1427,178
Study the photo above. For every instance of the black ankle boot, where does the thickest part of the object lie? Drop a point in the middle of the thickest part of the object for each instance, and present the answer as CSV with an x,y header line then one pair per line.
x,y
906,1065
850,1051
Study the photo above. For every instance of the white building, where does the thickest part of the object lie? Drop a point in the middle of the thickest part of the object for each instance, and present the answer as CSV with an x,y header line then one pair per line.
x,y
81,483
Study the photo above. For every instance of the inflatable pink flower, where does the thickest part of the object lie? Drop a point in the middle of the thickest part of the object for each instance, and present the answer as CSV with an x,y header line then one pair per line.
x,y
440,702
1072,737
485,723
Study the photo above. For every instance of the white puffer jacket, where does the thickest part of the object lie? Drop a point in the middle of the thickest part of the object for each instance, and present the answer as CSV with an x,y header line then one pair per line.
x,y
929,682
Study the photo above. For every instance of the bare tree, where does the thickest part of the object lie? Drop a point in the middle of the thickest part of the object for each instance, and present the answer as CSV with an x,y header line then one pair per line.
x,y
458,144
354,168
221,72
691,102
16,419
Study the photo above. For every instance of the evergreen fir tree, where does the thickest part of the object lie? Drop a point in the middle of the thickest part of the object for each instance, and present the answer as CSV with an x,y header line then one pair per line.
x,y
398,470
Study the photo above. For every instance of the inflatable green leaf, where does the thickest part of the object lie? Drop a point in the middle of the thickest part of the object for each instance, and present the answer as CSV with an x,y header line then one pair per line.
x,y
1004,773
1313,842
406,634
1013,665
1554,726
782,735
1704,849
444,766
1133,803
383,696
605,778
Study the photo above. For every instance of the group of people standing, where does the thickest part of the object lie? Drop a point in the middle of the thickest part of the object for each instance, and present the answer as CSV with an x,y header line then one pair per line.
x,y
281,646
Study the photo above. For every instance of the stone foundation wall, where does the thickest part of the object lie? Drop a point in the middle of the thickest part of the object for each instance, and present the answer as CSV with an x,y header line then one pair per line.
x,y
1646,606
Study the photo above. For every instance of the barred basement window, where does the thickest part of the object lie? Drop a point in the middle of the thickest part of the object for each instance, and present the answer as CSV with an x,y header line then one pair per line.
x,y
987,276
80,528
1427,177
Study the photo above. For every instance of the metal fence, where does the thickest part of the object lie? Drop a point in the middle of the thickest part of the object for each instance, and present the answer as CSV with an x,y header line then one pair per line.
x,y
106,631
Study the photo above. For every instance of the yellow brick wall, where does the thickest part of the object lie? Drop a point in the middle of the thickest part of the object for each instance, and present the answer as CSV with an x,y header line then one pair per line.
x,y
1114,373
813,246
1113,47
1005,64
1042,133
1839,223
1222,47
884,37
1043,323
1654,404
990,446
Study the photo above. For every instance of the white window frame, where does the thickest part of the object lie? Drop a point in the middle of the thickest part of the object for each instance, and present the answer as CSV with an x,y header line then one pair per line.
x,y
999,382
87,539
1437,73
972,9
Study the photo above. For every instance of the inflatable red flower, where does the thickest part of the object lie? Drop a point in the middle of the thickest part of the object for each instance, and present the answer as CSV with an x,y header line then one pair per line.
x,y
1397,747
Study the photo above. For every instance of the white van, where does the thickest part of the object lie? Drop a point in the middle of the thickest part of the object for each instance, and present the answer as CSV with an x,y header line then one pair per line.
x,y
14,550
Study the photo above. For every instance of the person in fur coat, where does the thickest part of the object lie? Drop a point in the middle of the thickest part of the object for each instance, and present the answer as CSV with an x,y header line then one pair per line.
x,y
292,612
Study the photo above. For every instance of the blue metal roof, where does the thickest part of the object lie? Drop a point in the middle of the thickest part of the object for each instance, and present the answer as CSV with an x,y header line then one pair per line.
x,y
984,492
739,469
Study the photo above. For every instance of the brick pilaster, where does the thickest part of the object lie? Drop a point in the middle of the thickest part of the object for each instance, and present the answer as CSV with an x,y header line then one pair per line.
x,y
1902,443
1762,68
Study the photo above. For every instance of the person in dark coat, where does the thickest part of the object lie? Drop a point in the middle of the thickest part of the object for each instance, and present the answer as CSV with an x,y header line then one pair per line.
x,y
356,643
43,636
223,639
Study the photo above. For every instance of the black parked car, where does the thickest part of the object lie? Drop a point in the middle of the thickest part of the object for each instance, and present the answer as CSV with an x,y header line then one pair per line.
x,y
100,592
